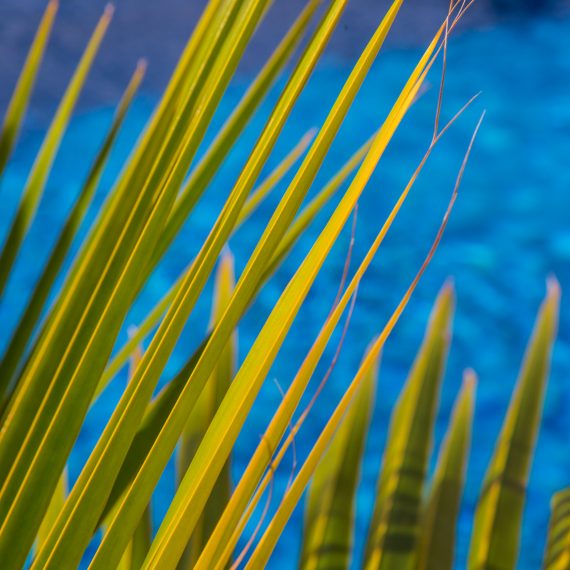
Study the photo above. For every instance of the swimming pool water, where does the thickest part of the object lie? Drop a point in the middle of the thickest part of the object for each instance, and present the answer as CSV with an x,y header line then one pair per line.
x,y
509,230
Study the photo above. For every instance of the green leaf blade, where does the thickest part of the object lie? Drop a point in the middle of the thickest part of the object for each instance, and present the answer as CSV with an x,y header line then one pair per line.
x,y
498,518
330,509
557,555
436,549
394,528
21,96
42,165
32,313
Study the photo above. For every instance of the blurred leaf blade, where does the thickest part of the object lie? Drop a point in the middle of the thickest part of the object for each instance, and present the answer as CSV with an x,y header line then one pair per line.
x,y
557,555
138,547
21,96
394,528
42,165
330,507
32,313
53,510
436,549
498,518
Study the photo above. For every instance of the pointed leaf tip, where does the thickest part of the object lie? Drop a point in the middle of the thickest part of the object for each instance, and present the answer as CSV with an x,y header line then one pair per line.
x,y
469,378
142,65
436,549
498,518
553,290
444,306
109,11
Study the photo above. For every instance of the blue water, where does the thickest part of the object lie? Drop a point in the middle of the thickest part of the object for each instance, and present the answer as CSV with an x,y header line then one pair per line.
x,y
510,229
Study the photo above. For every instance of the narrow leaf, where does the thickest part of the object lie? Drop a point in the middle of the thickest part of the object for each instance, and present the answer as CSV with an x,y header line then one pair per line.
x,y
202,415
262,553
557,556
88,497
21,96
236,515
330,509
53,510
436,549
153,317
496,534
140,542
194,283
260,193
42,165
32,313
235,406
160,407
204,172
394,528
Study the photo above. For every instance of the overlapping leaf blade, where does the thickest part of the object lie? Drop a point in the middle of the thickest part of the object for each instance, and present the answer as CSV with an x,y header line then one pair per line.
x,y
137,223
236,405
436,550
557,555
262,553
394,527
86,500
42,165
202,415
232,523
233,127
140,543
154,315
330,507
137,549
32,313
21,96
53,509
115,284
159,409
171,431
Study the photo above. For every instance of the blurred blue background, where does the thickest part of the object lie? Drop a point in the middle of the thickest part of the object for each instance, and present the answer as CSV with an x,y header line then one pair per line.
x,y
510,228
